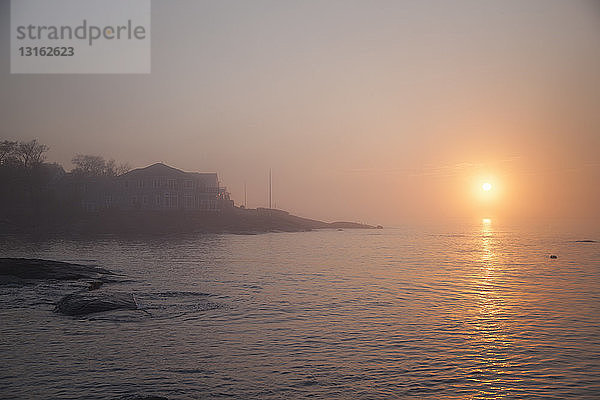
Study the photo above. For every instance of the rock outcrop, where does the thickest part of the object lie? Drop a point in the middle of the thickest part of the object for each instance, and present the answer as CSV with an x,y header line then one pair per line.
x,y
23,271
83,303
38,269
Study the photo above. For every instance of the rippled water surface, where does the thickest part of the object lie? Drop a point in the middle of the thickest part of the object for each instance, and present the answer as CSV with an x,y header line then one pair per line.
x,y
478,312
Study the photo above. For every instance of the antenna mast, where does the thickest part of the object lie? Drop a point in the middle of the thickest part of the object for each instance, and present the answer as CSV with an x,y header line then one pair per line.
x,y
270,189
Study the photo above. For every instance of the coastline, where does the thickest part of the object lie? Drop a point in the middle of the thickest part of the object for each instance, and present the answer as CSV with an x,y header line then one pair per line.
x,y
116,222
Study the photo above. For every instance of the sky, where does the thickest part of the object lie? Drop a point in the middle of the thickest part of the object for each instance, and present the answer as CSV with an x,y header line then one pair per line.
x,y
385,112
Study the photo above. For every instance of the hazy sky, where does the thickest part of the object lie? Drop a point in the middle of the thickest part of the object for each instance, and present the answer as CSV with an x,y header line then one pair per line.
x,y
379,111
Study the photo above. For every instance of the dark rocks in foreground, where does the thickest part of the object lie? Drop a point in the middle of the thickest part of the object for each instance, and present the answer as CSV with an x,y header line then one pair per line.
x,y
586,241
38,269
83,303
26,271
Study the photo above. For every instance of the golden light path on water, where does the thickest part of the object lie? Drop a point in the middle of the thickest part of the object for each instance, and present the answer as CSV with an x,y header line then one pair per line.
x,y
491,323
467,312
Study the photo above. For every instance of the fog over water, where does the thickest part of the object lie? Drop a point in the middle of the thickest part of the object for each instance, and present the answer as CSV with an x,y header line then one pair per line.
x,y
470,130
371,111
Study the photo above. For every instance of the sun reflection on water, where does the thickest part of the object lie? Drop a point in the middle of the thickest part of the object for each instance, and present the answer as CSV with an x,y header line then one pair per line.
x,y
486,243
492,343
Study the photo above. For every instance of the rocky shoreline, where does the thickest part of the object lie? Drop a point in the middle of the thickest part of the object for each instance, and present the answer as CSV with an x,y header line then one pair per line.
x,y
236,221
96,298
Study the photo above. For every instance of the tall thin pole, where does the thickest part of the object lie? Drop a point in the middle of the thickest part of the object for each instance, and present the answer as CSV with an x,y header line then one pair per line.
x,y
245,198
270,189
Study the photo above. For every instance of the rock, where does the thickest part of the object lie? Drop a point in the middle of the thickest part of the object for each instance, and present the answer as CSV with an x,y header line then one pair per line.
x,y
38,269
83,303
586,241
20,271
348,225
552,256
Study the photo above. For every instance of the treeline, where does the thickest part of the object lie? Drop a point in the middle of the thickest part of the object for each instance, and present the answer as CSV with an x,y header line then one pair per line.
x,y
31,155
89,165
30,186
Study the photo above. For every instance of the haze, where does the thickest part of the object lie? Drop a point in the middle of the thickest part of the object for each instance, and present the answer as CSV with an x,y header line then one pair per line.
x,y
374,111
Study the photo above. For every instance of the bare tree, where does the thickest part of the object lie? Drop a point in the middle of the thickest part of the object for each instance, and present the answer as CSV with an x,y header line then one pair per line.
x,y
31,154
90,165
122,168
8,150
110,167
114,169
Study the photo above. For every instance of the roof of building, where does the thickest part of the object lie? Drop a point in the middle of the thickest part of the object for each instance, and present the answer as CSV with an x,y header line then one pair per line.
x,y
160,169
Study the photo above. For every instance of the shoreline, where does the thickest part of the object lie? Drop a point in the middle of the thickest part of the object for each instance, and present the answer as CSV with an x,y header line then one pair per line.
x,y
117,222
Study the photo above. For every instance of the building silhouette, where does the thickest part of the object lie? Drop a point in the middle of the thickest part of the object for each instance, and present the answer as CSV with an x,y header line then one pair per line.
x,y
157,187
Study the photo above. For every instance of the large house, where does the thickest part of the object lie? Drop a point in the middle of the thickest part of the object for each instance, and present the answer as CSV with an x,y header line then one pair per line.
x,y
156,187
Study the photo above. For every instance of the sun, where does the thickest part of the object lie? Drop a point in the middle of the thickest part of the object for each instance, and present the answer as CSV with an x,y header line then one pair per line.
x,y
486,186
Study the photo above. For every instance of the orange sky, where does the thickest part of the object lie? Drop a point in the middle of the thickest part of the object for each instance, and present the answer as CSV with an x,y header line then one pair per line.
x,y
385,112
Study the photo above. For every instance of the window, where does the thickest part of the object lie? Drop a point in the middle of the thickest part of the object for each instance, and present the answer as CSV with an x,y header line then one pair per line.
x,y
140,183
156,183
188,201
171,183
187,184
157,200
170,200
145,200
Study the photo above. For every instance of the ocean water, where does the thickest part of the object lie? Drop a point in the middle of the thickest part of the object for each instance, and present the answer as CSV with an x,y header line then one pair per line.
x,y
476,312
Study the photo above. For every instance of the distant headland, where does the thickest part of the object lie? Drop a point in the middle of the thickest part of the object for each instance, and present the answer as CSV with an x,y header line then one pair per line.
x,y
101,197
233,220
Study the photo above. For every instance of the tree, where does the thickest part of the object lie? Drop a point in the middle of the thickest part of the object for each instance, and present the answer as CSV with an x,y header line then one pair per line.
x,y
91,165
122,169
31,154
114,169
8,150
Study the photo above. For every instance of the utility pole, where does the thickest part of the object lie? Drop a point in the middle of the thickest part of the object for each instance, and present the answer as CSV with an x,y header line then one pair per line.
x,y
270,189
245,198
